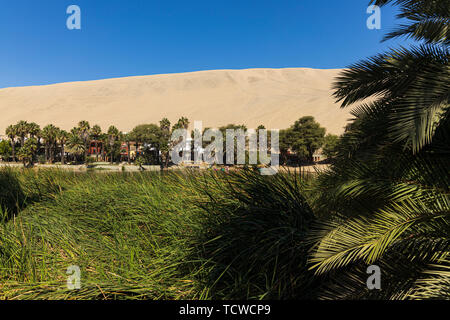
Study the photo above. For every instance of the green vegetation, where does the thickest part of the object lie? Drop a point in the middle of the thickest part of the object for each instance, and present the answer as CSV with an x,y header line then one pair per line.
x,y
386,196
152,143
75,145
5,149
331,146
304,138
188,235
151,235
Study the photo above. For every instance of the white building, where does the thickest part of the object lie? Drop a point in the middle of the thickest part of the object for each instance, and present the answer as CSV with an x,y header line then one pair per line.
x,y
319,156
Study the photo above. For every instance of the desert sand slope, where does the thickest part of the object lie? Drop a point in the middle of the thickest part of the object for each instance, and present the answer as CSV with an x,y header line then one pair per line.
x,y
272,97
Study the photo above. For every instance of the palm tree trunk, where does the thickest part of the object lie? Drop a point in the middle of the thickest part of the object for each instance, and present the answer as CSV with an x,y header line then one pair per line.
x,y
38,145
62,154
13,147
96,151
86,152
46,152
112,152
128,152
166,165
51,154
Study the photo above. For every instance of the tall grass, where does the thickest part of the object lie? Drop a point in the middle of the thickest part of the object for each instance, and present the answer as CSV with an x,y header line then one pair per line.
x,y
154,236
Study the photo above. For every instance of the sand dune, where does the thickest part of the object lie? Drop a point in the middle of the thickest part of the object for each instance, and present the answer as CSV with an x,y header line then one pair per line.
x,y
272,97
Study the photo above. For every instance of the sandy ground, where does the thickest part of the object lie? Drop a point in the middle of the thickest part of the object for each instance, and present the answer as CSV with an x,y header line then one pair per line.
x,y
272,97
133,168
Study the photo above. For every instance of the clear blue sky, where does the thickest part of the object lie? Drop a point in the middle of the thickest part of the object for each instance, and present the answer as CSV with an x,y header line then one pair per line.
x,y
141,37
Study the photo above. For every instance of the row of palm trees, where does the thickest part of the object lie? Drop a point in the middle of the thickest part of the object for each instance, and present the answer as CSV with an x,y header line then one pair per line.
x,y
76,141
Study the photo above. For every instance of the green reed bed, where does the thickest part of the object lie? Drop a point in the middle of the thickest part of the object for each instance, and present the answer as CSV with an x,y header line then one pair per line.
x,y
150,235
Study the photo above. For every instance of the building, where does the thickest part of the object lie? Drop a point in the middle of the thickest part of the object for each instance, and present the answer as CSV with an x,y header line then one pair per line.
x,y
318,156
124,150
95,147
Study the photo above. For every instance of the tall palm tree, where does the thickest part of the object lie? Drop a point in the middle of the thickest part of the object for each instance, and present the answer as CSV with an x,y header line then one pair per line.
x,y
75,143
84,132
34,131
96,131
63,137
104,139
183,123
113,135
128,137
11,132
389,188
164,126
50,134
22,131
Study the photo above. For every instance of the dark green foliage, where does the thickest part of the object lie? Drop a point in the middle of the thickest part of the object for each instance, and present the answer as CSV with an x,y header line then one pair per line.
x,y
5,149
304,138
331,146
11,195
387,194
255,240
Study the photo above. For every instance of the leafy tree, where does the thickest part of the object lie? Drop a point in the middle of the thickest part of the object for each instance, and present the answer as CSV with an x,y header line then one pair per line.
x,y
304,138
165,138
26,153
5,149
286,141
310,136
223,130
149,136
330,146
11,132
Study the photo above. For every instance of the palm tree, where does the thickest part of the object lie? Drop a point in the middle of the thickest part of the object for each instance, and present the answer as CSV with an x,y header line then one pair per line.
x,y
84,135
113,135
388,188
104,139
75,143
34,130
128,137
164,126
183,123
96,131
27,152
63,136
50,134
11,132
22,131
